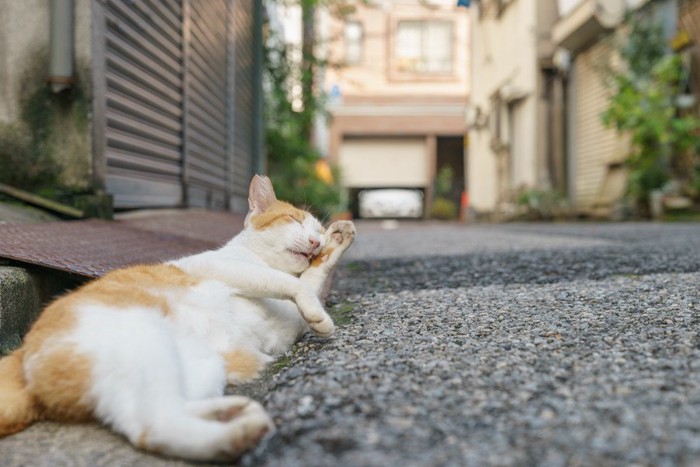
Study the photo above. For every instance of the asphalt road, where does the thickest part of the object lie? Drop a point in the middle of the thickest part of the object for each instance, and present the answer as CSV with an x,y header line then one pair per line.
x,y
518,344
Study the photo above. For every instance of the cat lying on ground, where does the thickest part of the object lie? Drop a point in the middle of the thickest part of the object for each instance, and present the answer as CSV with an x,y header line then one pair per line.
x,y
148,350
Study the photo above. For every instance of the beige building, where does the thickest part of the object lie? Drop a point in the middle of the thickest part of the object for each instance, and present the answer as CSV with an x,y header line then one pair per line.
x,y
514,140
597,175
397,103
589,31
538,93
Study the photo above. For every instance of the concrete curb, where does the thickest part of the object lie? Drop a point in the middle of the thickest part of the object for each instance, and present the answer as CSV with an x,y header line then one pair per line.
x,y
20,304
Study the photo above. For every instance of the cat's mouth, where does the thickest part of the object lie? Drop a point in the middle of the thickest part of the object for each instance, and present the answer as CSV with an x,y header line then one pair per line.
x,y
306,255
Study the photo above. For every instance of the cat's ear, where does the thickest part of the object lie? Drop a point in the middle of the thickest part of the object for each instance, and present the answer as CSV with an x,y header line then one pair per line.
x,y
261,194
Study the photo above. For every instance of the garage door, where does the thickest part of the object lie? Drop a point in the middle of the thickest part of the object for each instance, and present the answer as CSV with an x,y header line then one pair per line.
x,y
384,162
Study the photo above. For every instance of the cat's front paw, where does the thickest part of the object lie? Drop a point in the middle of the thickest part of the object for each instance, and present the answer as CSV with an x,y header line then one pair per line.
x,y
313,313
323,328
341,234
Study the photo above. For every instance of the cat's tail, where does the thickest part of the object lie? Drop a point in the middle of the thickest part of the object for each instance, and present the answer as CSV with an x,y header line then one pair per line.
x,y
17,406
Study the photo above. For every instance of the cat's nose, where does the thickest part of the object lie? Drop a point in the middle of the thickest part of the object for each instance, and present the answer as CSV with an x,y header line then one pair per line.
x,y
314,243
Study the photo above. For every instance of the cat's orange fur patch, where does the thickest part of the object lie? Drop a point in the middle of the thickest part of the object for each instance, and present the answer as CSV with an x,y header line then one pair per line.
x,y
138,285
62,378
278,213
17,407
242,365
143,439
322,257
143,443
62,385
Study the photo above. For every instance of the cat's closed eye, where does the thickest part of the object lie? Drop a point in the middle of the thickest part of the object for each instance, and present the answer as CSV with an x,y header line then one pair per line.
x,y
294,218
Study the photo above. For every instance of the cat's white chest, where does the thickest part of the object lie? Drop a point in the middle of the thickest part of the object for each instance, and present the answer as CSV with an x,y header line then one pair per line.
x,y
213,312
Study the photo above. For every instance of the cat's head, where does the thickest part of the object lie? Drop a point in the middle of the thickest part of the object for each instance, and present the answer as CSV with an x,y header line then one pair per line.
x,y
286,237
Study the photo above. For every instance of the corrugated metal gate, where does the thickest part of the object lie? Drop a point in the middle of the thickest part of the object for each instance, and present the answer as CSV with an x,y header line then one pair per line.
x,y
179,114
207,156
595,146
243,74
144,110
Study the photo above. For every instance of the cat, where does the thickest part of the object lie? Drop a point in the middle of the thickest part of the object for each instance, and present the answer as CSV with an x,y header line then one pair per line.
x,y
148,350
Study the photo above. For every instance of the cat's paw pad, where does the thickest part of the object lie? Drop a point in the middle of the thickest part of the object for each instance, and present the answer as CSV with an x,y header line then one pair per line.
x,y
220,409
341,233
248,428
323,328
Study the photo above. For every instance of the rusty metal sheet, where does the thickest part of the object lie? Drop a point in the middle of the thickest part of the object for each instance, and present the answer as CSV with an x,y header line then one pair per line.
x,y
92,248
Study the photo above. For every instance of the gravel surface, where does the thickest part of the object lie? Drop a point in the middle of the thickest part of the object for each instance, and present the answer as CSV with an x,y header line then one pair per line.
x,y
518,344
551,345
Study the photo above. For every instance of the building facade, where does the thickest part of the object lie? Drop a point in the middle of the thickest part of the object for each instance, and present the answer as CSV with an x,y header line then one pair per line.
x,y
590,32
398,95
159,103
513,137
538,93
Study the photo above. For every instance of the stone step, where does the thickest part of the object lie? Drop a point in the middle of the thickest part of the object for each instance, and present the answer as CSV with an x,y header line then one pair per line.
x,y
20,304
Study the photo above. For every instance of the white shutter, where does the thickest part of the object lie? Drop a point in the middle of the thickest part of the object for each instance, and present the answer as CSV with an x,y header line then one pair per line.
x,y
595,147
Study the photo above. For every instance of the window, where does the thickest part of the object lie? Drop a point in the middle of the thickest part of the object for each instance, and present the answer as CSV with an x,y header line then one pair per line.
x,y
353,43
424,47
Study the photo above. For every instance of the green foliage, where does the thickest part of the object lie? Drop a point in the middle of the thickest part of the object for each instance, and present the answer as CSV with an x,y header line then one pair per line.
x,y
341,313
444,209
292,169
643,105
443,181
292,160
543,204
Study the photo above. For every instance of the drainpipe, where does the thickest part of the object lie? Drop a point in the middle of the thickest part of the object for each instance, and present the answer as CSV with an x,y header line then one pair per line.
x,y
61,45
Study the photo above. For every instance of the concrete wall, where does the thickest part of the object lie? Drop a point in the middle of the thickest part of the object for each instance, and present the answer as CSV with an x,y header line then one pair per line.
x,y
19,306
24,42
23,32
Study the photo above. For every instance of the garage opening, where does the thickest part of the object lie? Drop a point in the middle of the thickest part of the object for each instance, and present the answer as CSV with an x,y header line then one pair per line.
x,y
450,168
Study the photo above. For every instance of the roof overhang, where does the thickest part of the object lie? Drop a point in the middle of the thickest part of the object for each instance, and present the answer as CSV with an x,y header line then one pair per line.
x,y
586,22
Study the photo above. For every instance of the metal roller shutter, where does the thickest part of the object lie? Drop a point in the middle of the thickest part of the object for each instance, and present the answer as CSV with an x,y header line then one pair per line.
x,y
243,72
384,162
143,111
595,146
180,102
206,119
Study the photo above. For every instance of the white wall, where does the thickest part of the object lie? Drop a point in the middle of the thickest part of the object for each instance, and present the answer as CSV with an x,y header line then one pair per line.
x,y
504,53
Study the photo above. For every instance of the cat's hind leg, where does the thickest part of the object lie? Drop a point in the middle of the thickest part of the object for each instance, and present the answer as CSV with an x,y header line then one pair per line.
x,y
219,428
139,388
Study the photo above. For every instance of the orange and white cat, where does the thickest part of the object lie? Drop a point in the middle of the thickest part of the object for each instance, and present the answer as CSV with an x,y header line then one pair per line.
x,y
148,350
